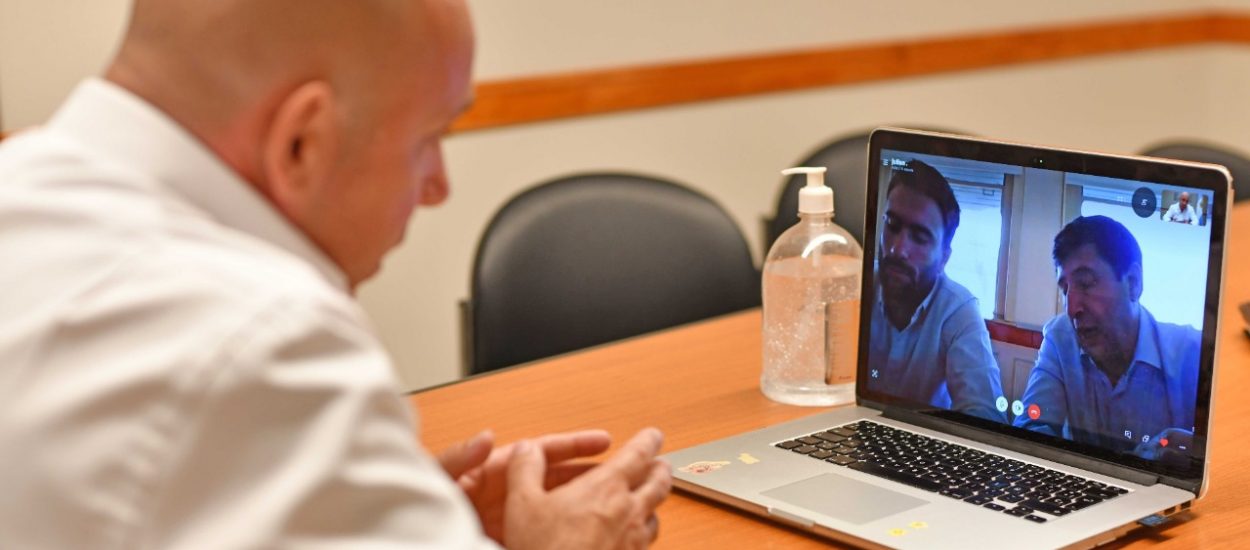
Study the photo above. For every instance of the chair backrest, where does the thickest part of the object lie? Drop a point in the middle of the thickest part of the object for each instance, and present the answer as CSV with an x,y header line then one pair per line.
x,y
1195,151
593,258
847,161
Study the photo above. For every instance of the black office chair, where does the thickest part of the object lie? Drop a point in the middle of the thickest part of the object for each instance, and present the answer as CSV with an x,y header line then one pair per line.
x,y
1195,151
593,258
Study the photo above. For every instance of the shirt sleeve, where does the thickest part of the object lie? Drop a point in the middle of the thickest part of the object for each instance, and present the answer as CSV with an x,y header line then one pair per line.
x,y
1046,390
972,374
301,441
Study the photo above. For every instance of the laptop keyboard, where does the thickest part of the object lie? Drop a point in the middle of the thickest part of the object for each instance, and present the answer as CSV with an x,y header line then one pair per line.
x,y
1001,484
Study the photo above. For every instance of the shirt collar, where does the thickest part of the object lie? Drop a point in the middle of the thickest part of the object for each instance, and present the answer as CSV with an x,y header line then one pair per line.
x,y
1147,351
122,126
924,304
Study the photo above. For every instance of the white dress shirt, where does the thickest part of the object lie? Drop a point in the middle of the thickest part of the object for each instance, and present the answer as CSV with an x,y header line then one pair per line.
x,y
1175,214
180,367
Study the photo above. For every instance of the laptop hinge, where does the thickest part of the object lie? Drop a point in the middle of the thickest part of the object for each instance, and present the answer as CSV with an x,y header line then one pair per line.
x,y
1041,451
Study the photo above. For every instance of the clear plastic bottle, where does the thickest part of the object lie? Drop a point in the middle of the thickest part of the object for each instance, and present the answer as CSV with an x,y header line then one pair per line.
x,y
811,305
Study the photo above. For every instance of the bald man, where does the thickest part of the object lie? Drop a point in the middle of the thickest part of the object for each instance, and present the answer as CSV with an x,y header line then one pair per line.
x,y
1181,212
182,364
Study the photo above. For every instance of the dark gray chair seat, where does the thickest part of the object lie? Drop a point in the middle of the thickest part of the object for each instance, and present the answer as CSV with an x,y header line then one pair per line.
x,y
593,258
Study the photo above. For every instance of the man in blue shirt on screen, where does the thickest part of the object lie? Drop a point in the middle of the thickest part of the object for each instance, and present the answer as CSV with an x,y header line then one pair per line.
x,y
927,327
1109,374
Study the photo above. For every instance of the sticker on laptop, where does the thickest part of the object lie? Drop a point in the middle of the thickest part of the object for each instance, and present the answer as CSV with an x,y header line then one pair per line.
x,y
746,458
704,466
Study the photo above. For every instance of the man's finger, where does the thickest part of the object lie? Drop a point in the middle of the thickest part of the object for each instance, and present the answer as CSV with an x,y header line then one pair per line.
x,y
526,468
657,486
570,445
653,528
466,455
634,459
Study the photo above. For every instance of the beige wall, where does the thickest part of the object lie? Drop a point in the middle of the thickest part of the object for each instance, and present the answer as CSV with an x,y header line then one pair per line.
x,y
46,46
729,149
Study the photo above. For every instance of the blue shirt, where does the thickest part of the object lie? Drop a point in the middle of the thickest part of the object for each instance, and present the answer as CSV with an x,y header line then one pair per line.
x,y
942,357
1078,402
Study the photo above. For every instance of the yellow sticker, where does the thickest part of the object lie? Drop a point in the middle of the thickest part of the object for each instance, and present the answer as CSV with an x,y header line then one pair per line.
x,y
704,466
919,525
897,532
747,459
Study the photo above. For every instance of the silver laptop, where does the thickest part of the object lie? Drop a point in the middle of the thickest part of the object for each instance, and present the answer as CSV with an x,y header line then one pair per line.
x,y
1037,355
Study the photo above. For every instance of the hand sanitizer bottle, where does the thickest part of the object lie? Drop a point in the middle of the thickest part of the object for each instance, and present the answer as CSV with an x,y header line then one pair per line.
x,y
811,304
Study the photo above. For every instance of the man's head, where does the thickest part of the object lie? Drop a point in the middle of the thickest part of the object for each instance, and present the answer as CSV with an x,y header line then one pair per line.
x,y
333,110
921,215
1184,200
1098,268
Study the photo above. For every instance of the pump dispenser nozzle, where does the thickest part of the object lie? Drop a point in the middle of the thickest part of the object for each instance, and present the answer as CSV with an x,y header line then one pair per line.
x,y
816,197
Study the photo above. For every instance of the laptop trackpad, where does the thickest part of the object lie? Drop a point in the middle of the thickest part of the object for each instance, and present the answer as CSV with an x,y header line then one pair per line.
x,y
844,498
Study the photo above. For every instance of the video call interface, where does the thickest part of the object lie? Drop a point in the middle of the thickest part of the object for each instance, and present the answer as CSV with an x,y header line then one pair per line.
x,y
1061,303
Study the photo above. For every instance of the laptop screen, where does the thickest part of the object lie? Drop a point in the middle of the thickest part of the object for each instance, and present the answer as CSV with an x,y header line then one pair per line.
x,y
1062,297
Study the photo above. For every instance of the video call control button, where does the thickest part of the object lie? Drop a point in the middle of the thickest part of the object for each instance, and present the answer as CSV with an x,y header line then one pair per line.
x,y
1017,407
1035,412
1001,404
1145,203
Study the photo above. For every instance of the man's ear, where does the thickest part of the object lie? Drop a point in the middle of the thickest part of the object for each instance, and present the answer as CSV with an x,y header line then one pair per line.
x,y
1134,279
301,146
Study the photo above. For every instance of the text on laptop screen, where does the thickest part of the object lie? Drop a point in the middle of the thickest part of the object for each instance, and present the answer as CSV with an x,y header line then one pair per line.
x,y
1057,302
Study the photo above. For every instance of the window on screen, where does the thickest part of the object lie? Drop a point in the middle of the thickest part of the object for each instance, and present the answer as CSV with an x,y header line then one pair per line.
x,y
1174,256
977,244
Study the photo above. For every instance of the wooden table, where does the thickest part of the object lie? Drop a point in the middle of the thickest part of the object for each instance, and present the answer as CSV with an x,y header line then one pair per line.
x,y
701,382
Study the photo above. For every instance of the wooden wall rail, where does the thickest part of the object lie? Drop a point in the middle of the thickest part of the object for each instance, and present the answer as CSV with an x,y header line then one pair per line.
x,y
550,97
533,99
